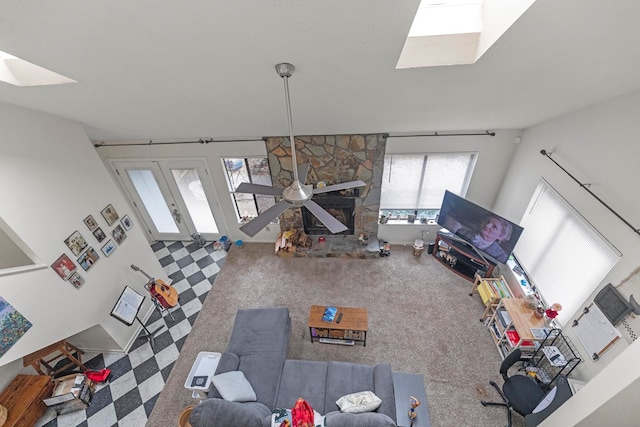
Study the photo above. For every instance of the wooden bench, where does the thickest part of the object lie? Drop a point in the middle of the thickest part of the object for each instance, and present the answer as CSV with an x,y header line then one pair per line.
x,y
23,399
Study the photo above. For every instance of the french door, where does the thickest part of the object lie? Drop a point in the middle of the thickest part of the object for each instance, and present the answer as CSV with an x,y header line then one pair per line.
x,y
174,198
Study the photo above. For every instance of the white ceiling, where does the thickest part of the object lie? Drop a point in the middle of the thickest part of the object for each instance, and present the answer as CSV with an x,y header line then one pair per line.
x,y
166,70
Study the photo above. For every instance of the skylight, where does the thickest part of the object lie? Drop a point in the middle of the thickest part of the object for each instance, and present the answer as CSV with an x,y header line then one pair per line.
x,y
19,72
454,32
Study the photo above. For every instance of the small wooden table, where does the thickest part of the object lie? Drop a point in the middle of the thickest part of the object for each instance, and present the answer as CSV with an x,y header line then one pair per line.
x,y
43,365
353,325
23,399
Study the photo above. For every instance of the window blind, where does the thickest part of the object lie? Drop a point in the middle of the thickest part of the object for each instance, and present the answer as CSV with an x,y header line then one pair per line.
x,y
418,181
564,256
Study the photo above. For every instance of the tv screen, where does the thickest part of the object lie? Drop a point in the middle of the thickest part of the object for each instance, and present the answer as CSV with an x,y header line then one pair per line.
x,y
492,234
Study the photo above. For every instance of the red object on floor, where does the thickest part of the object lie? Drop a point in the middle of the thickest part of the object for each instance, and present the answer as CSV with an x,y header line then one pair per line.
x,y
98,376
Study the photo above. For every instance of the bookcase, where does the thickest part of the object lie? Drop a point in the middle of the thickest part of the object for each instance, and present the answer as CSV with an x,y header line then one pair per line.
x,y
491,291
461,257
556,355
510,327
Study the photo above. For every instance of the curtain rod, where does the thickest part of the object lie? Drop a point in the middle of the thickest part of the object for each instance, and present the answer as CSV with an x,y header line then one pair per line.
x,y
200,141
485,133
586,188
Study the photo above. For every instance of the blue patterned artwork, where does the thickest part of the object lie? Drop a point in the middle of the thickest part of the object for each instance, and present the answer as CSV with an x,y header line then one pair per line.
x,y
13,325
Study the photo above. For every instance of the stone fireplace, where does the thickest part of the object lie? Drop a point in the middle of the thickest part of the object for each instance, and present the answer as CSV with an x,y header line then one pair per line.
x,y
342,208
334,159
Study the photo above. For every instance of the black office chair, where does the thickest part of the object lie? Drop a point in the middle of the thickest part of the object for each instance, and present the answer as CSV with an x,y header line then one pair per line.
x,y
519,392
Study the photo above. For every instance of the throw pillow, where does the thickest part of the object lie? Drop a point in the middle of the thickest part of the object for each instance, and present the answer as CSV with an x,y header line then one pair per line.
x,y
234,387
356,403
279,415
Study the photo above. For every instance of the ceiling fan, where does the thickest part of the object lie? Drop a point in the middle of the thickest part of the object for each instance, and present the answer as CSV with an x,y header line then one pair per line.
x,y
297,194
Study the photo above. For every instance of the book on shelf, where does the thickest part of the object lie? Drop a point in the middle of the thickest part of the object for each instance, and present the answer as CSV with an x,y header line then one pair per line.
x,y
504,318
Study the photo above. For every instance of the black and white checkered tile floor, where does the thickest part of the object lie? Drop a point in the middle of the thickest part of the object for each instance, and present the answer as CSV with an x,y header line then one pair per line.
x,y
137,378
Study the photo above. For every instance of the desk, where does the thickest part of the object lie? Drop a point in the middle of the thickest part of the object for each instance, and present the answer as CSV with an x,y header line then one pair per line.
x,y
23,399
41,362
515,332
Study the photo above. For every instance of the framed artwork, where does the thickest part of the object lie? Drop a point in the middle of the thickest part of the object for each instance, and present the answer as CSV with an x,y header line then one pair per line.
x,y
108,248
118,234
76,280
88,258
12,324
99,234
64,266
110,215
91,223
76,243
126,222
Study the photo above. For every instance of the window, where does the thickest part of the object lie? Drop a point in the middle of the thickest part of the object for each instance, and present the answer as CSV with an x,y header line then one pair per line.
x,y
254,170
417,182
563,255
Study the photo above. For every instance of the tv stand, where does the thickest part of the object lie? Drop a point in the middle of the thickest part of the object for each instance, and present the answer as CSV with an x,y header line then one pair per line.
x,y
461,257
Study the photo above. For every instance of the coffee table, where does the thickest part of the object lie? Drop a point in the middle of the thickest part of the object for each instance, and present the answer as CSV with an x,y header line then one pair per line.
x,y
352,328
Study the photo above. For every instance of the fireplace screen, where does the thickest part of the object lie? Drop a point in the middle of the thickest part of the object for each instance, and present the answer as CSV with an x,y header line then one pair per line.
x,y
342,208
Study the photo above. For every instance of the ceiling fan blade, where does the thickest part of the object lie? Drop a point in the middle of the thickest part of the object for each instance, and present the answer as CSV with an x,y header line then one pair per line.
x,y
303,170
336,187
261,221
325,217
246,187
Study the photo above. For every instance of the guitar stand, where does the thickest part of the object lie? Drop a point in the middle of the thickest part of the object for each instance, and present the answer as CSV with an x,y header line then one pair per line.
x,y
162,309
149,335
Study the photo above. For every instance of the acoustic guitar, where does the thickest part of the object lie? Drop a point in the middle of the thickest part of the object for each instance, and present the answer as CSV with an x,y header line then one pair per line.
x,y
165,294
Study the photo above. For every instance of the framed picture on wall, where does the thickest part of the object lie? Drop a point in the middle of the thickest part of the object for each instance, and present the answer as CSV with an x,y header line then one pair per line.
x,y
99,234
76,243
91,223
108,248
64,266
118,234
88,258
126,222
76,280
109,214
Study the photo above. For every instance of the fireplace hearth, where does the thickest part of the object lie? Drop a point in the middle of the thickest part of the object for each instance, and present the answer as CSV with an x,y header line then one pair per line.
x,y
342,208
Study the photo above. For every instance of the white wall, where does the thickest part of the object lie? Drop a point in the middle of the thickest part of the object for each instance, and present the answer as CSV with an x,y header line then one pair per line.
x,y
50,179
598,145
494,158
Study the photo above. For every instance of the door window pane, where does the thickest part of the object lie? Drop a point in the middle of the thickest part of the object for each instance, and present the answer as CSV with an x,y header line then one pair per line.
x,y
190,187
149,191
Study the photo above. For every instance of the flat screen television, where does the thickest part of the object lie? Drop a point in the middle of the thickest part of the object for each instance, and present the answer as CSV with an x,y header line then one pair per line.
x,y
491,234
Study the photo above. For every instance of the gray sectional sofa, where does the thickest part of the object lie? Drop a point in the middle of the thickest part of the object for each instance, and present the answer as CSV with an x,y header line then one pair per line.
x,y
258,348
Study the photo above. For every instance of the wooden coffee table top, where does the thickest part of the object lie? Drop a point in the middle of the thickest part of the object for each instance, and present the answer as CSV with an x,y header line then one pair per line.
x,y
353,319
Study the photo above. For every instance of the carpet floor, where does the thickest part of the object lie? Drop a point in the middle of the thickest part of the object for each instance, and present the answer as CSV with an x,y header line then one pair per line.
x,y
421,320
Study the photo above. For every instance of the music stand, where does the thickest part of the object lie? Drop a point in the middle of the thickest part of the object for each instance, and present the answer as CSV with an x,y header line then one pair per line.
x,y
126,310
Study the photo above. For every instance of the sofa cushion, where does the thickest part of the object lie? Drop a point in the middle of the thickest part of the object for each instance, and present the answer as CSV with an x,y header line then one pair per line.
x,y
357,403
260,338
367,419
217,412
306,379
233,386
383,388
346,378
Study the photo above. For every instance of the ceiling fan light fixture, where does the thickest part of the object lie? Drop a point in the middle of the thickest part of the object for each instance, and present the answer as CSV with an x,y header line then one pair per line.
x,y
285,69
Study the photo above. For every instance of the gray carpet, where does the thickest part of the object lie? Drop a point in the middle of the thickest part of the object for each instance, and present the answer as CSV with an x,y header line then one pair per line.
x,y
421,320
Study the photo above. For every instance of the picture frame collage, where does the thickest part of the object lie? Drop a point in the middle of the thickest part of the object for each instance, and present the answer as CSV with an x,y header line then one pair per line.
x,y
87,256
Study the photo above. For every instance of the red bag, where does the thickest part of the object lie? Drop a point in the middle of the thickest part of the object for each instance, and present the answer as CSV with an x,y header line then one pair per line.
x,y
302,414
